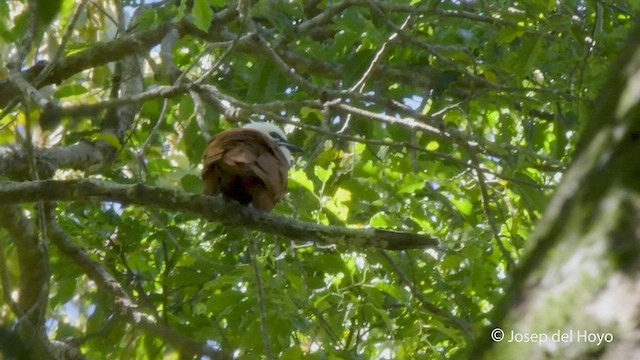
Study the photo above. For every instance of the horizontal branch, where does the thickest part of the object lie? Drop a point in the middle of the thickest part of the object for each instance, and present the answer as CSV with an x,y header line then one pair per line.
x,y
99,54
81,156
210,208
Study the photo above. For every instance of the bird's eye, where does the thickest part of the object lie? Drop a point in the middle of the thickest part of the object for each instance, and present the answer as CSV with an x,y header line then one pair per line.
x,y
276,136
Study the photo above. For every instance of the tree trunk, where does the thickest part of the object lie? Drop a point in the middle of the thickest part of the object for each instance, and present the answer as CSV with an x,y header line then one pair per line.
x,y
577,293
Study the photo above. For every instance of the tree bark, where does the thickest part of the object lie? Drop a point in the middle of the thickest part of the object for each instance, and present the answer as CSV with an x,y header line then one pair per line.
x,y
577,293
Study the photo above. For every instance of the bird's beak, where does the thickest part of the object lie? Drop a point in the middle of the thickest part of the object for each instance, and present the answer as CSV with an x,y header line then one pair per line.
x,y
291,147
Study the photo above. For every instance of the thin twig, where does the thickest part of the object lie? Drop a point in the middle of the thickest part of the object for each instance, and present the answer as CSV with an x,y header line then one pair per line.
x,y
253,255
53,62
429,306
7,109
41,241
359,85
161,117
26,43
487,209
6,283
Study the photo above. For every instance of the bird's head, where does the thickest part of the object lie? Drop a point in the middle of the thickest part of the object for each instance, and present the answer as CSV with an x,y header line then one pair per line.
x,y
275,133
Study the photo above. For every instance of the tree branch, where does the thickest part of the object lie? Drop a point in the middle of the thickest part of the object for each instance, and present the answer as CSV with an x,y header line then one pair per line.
x,y
99,54
264,326
33,262
216,209
81,156
33,284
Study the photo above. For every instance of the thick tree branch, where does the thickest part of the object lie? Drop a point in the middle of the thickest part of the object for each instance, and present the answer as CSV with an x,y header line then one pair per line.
x,y
216,209
33,290
81,156
33,262
99,54
128,81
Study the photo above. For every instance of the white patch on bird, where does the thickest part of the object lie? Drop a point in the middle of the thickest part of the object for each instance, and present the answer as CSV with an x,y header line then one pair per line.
x,y
269,128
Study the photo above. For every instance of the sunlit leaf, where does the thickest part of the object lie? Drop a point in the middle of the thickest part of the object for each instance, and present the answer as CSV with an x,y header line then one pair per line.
x,y
379,220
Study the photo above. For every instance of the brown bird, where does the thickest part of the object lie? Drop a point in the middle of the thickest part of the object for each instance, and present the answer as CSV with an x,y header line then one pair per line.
x,y
248,165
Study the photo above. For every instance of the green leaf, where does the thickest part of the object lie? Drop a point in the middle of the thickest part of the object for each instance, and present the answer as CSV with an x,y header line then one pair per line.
x,y
300,178
47,10
108,138
194,142
64,291
394,291
410,183
202,14
191,183
463,205
292,353
147,19
342,195
508,35
323,174
379,220
356,65
267,81
5,34
531,48
433,145
70,90
336,204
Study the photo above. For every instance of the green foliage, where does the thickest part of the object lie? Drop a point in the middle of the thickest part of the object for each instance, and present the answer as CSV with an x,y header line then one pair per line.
x,y
47,10
477,107
202,14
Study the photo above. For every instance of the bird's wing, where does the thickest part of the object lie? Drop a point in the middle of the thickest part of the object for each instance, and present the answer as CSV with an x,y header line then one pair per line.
x,y
271,167
220,144
247,149
216,150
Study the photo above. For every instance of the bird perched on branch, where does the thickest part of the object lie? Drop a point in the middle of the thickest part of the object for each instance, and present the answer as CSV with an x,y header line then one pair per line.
x,y
248,165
